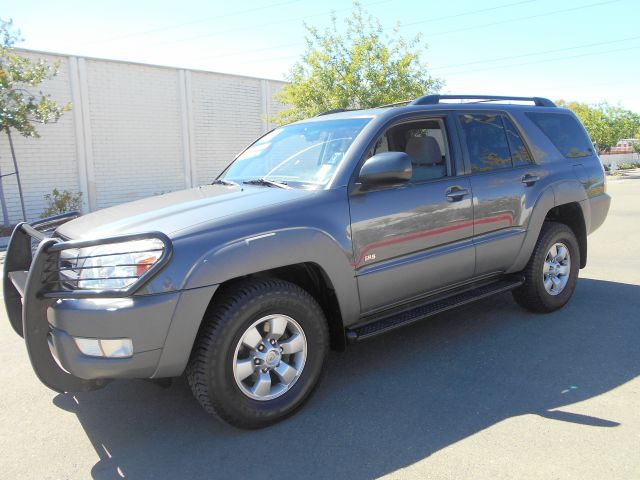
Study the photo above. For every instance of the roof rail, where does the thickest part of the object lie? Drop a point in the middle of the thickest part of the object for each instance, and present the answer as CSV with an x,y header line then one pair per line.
x,y
435,99
394,104
338,110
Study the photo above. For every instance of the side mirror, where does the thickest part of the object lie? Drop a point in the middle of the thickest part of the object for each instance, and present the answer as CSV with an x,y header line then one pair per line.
x,y
388,168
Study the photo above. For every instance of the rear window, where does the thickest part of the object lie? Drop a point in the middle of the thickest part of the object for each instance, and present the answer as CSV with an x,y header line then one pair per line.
x,y
565,133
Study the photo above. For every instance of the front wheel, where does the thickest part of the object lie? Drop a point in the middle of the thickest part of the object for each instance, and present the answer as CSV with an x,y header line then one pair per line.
x,y
259,354
552,271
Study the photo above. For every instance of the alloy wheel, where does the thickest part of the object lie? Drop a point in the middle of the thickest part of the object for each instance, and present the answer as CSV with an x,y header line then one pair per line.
x,y
556,269
270,357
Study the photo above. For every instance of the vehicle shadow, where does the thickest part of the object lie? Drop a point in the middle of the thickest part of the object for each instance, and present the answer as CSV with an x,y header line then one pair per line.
x,y
386,403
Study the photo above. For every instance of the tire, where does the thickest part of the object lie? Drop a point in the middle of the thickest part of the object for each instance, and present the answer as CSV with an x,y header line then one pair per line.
x,y
212,371
533,294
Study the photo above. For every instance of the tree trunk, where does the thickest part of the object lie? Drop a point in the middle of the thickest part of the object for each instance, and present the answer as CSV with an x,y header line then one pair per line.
x,y
15,166
3,203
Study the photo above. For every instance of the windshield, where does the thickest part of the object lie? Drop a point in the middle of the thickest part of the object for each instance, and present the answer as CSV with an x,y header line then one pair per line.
x,y
305,153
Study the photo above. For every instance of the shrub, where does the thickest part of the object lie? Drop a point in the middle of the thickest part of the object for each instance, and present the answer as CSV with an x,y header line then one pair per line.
x,y
61,202
628,165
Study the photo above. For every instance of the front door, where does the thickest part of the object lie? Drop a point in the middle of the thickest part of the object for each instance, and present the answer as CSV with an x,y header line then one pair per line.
x,y
416,238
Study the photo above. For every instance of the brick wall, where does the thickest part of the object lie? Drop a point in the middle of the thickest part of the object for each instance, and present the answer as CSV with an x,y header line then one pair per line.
x,y
134,131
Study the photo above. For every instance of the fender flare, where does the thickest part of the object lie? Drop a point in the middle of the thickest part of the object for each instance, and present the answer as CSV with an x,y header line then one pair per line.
x,y
572,191
556,194
281,248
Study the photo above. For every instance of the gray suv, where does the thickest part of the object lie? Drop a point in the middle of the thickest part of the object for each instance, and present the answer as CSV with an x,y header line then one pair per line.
x,y
321,233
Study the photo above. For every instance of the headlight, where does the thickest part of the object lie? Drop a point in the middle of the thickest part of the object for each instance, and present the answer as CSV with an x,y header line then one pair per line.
x,y
116,266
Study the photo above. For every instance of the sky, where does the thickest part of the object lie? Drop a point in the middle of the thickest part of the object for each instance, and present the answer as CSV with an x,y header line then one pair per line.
x,y
583,50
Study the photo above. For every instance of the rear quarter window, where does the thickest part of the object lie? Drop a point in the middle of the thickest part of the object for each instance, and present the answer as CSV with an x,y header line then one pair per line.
x,y
565,133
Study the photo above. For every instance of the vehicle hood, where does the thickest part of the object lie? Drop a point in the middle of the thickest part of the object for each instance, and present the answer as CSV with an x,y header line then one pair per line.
x,y
176,211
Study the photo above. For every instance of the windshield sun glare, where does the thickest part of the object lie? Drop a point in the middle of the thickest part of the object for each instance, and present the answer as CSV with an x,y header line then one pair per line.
x,y
304,153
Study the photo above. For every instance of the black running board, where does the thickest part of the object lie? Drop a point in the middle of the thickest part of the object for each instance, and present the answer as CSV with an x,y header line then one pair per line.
x,y
434,307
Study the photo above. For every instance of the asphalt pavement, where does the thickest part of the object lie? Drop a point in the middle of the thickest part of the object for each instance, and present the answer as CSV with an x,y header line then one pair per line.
x,y
486,391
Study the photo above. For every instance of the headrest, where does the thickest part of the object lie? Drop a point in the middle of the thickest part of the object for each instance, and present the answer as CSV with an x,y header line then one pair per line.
x,y
424,151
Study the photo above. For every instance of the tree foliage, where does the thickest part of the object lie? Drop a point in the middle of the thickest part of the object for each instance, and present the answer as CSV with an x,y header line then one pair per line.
x,y
606,124
61,202
359,67
22,103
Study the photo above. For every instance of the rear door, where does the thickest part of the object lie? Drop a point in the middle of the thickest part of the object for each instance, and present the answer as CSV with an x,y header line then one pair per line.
x,y
416,238
503,178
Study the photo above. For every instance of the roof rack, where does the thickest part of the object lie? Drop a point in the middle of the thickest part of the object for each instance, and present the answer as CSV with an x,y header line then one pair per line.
x,y
339,110
395,104
435,99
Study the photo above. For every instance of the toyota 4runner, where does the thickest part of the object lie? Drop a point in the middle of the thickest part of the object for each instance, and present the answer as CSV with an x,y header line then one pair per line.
x,y
321,233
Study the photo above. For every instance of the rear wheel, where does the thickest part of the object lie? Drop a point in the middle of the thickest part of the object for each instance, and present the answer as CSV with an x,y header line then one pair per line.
x,y
552,271
259,354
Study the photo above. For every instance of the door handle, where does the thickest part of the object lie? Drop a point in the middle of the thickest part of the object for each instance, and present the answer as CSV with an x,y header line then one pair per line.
x,y
529,180
455,194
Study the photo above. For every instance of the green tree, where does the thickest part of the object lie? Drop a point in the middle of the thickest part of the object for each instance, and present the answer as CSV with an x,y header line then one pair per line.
x,y
359,67
22,104
606,124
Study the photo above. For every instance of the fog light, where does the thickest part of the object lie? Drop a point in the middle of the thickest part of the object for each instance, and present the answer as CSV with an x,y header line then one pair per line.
x,y
117,348
89,346
106,347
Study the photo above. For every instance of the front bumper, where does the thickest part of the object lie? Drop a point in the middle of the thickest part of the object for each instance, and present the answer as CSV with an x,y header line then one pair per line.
x,y
143,319
48,316
71,359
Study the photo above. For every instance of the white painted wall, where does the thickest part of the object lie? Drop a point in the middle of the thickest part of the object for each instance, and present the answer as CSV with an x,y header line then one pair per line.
x,y
134,131
227,115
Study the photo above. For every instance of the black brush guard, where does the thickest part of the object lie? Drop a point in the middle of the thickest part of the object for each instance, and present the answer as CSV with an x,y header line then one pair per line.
x,y
32,284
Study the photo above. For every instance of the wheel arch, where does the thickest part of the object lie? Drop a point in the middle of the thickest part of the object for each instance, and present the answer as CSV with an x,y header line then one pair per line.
x,y
194,303
313,279
571,214
319,253
564,202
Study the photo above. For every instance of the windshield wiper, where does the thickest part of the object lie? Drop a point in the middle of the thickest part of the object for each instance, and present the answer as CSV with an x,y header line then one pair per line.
x,y
266,182
220,181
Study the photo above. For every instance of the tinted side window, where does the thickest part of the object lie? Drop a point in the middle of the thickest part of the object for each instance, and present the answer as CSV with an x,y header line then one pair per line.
x,y
486,142
519,153
564,132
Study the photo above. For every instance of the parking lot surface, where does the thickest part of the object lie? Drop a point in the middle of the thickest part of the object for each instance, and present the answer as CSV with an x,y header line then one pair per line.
x,y
486,391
